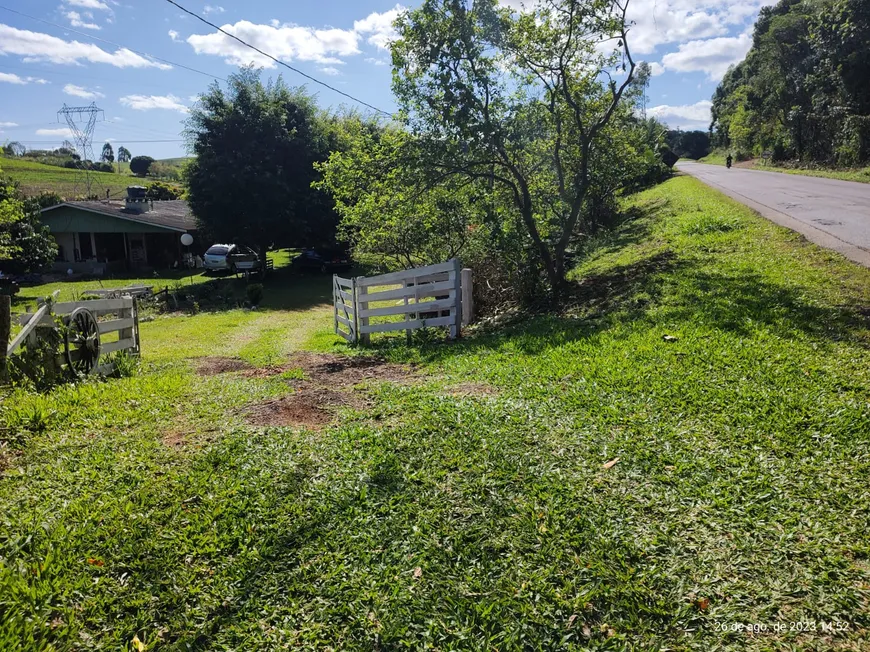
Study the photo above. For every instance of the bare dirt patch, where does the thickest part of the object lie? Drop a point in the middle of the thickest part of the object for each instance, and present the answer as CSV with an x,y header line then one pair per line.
x,y
328,382
213,365
312,407
337,371
174,438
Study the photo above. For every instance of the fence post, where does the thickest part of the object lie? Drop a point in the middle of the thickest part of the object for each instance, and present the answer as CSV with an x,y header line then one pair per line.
x,y
5,331
136,327
362,291
355,307
128,313
456,326
335,298
467,298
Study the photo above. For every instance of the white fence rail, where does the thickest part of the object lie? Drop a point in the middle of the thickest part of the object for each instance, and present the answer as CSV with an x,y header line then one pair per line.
x,y
435,295
112,316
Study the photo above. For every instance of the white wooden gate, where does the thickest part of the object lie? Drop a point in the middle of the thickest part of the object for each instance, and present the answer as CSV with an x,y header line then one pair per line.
x,y
343,292
403,301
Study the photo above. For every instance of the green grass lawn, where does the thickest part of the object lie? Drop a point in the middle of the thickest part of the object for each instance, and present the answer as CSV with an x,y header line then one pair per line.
x,y
682,454
861,175
73,290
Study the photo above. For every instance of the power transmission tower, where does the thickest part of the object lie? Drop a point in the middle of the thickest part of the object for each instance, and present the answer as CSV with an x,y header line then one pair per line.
x,y
81,121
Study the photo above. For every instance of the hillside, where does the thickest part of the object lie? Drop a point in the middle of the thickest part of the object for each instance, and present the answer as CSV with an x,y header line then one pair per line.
x,y
38,177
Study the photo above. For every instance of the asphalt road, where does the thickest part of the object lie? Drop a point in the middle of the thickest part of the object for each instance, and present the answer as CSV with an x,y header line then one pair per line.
x,y
833,214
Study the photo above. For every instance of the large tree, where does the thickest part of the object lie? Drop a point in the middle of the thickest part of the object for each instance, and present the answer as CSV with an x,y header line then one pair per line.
x,y
255,146
108,154
519,99
140,165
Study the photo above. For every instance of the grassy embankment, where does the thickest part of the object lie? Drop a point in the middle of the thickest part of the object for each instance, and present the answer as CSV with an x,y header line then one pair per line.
x,y
686,450
37,177
861,175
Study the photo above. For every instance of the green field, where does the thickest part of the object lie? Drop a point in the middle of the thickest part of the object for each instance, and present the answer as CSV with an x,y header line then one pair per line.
x,y
37,177
681,454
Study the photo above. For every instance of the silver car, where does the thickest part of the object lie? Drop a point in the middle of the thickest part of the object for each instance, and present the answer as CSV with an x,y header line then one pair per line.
x,y
230,258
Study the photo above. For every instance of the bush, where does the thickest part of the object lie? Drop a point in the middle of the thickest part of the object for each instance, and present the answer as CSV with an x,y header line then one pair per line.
x,y
255,293
161,191
140,165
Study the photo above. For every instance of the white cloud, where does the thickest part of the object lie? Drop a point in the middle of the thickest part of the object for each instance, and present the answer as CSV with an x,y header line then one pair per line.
x,y
63,132
8,124
329,70
287,42
209,9
379,27
149,102
687,117
11,78
376,62
711,56
81,91
75,19
36,46
656,68
173,35
89,4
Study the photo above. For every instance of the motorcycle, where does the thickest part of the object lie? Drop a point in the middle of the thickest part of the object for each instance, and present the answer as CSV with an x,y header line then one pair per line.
x,y
728,163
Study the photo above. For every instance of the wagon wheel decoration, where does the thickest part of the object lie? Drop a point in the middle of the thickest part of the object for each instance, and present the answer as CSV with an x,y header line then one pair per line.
x,y
82,342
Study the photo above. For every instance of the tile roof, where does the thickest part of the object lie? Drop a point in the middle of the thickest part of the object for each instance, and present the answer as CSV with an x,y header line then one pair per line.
x,y
174,214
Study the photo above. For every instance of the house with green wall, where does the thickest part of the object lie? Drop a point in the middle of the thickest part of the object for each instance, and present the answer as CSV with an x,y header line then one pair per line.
x,y
137,234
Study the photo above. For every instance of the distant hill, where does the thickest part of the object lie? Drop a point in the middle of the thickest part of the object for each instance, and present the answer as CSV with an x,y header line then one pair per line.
x,y
37,177
175,161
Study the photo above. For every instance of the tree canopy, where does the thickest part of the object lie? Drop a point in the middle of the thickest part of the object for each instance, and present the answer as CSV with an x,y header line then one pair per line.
x,y
255,146
140,165
802,92
25,244
522,122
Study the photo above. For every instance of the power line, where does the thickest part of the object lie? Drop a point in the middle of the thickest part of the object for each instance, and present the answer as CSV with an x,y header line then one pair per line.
x,y
125,142
278,61
112,43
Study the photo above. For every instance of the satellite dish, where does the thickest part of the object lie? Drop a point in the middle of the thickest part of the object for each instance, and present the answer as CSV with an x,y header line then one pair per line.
x,y
186,239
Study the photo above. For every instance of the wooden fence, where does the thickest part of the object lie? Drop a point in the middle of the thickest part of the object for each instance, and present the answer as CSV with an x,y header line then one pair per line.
x,y
436,295
116,322
343,292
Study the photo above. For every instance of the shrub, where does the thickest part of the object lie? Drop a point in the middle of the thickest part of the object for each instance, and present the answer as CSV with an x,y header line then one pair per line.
x,y
140,165
162,191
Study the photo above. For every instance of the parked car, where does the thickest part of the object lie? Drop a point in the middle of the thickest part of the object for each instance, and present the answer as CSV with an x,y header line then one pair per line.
x,y
230,258
322,260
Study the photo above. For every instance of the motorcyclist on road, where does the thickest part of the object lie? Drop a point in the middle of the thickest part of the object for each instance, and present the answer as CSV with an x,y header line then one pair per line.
x,y
728,162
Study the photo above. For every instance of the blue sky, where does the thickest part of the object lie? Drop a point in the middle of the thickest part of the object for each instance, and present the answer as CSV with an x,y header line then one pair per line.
x,y
43,65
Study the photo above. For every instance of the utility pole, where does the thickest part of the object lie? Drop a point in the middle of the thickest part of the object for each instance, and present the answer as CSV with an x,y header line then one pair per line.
x,y
81,121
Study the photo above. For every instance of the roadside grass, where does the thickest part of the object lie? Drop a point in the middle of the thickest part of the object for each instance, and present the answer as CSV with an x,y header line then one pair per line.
x,y
682,453
861,175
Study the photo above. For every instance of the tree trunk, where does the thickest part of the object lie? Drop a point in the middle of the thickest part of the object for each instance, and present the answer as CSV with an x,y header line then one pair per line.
x,y
264,250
